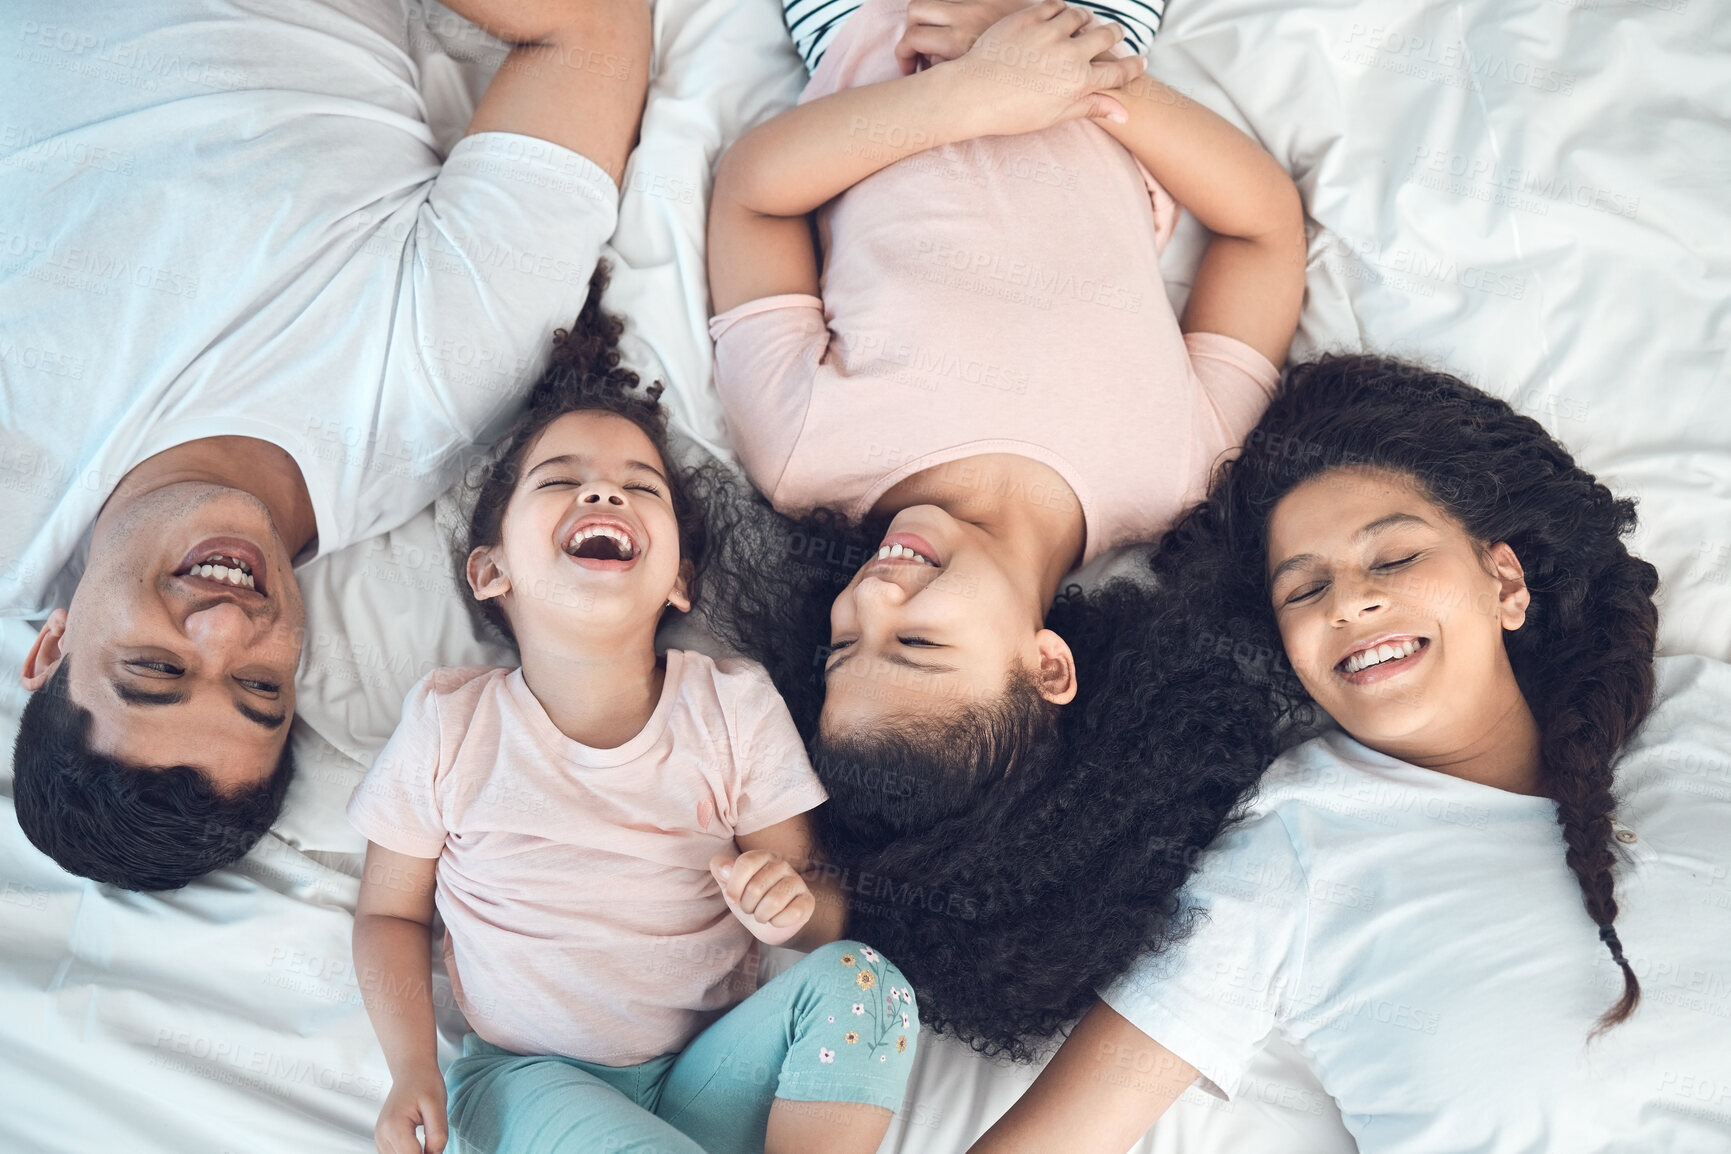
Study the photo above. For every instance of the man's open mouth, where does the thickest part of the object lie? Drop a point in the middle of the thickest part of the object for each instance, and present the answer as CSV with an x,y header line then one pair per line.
x,y
227,561
219,567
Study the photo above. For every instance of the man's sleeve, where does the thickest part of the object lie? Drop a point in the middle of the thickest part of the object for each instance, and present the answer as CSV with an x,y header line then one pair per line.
x,y
497,256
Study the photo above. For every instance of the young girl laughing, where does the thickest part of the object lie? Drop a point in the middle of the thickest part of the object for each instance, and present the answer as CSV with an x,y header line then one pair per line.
x,y
607,835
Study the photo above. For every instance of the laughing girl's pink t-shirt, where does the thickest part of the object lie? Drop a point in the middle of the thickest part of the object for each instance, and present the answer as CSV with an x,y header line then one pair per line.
x,y
1002,295
581,917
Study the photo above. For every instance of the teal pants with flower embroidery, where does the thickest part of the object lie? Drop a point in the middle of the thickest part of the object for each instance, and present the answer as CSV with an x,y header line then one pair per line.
x,y
839,1026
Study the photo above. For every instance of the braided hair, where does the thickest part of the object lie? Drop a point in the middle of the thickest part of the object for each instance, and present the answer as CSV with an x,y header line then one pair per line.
x,y
1584,657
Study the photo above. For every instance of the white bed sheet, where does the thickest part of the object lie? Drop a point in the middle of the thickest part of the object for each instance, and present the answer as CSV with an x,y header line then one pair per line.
x,y
1529,192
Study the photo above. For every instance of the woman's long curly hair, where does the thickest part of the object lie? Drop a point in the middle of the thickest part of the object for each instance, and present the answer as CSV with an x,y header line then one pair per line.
x,y
1584,657
1012,856
583,374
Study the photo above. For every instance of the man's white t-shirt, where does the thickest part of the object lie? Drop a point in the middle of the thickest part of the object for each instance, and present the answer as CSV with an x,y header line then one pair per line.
x,y
230,217
1422,941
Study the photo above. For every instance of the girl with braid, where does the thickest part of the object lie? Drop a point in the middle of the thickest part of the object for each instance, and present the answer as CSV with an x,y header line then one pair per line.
x,y
1483,907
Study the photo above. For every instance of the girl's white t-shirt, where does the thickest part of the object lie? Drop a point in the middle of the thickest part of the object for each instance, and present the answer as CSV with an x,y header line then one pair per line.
x,y
1422,941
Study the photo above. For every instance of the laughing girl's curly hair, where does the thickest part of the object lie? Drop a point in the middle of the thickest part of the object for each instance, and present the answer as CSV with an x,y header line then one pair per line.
x,y
1584,657
583,374
1012,856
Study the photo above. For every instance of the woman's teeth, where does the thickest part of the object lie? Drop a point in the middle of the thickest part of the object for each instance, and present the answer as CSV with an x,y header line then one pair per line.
x,y
224,569
1389,651
890,551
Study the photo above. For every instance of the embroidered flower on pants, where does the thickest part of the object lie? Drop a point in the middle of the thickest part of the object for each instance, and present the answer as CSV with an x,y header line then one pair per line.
x,y
858,1008
825,1054
901,1043
851,1037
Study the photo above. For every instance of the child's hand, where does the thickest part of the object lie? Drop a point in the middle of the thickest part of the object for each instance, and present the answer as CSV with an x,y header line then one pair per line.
x,y
941,30
416,1099
765,893
1040,65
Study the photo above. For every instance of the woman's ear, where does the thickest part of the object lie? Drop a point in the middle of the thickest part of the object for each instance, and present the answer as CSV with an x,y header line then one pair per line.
x,y
486,579
1513,596
44,656
680,598
1057,675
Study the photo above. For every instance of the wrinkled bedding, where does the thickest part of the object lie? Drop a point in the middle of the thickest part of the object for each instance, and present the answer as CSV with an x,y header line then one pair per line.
x,y
1527,192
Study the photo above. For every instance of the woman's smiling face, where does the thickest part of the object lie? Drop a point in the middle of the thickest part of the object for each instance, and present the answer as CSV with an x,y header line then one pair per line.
x,y
1391,614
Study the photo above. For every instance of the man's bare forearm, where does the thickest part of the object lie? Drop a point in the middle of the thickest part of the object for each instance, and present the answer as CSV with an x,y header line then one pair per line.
x,y
577,75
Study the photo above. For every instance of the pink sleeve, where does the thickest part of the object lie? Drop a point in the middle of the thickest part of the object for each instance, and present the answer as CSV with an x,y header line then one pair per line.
x,y
1235,383
766,354
396,805
775,779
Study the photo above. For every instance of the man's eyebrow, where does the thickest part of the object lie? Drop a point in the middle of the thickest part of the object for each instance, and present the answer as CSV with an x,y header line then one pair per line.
x,y
259,717
1374,527
579,459
134,696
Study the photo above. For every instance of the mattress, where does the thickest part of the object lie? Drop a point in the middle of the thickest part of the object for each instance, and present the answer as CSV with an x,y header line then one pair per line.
x,y
1527,192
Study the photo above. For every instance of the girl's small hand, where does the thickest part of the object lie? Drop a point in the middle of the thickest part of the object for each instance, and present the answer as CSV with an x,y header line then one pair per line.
x,y
416,1099
1039,66
765,893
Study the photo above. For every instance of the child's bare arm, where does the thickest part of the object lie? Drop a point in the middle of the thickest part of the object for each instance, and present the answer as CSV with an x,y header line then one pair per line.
x,y
760,243
1032,69
576,76
793,845
393,938
1251,281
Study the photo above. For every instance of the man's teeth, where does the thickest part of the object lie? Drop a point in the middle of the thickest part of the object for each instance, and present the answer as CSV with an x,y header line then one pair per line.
x,y
225,569
1388,651
617,536
887,551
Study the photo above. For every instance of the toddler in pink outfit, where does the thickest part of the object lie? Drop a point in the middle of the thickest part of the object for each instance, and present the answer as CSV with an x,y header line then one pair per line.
x,y
608,834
